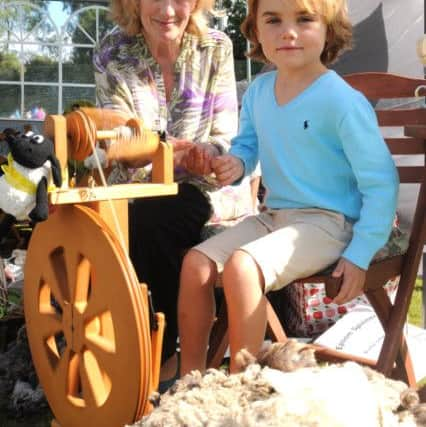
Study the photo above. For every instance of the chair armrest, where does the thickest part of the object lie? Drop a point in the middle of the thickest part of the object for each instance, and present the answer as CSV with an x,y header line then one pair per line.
x,y
380,272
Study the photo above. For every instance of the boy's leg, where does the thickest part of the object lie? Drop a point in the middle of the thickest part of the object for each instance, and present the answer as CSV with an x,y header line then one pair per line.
x,y
198,277
196,309
246,304
304,242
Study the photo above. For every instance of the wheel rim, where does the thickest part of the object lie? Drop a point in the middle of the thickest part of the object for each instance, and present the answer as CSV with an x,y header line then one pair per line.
x,y
86,321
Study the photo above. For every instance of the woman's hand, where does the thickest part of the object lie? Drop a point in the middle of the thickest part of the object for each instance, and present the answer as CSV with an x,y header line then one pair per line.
x,y
180,149
227,168
353,281
197,159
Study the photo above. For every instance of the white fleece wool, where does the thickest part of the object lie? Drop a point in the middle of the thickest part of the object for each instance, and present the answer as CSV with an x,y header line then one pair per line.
x,y
344,395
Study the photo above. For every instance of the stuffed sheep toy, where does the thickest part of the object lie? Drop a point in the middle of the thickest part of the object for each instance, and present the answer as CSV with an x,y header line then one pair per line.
x,y
24,179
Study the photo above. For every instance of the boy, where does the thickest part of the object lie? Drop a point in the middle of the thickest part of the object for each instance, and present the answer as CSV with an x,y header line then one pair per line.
x,y
330,179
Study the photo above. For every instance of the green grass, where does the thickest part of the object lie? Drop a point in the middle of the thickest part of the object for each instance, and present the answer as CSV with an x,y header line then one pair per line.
x,y
415,314
415,311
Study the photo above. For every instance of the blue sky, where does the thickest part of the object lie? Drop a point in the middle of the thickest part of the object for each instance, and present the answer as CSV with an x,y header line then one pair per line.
x,y
56,12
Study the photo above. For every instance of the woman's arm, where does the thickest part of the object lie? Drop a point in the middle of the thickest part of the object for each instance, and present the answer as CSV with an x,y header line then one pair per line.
x,y
225,109
223,113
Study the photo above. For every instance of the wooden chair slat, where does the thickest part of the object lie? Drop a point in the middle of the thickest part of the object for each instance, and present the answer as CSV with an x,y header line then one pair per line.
x,y
401,117
385,85
411,174
415,131
406,145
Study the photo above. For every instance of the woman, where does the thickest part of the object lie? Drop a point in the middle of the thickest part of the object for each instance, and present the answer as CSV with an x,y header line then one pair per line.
x,y
166,66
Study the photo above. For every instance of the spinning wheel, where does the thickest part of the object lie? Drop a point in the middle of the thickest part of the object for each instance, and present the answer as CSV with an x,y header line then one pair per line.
x,y
88,327
95,351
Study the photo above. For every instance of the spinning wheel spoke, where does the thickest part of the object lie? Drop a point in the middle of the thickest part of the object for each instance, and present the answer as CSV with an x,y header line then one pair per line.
x,y
76,270
74,391
60,370
55,275
104,352
50,324
83,283
100,331
96,301
96,384
47,303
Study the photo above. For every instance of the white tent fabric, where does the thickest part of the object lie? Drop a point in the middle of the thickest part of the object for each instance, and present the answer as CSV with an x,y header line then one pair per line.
x,y
385,35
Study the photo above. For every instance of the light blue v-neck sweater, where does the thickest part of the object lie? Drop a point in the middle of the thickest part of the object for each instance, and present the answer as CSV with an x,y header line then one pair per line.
x,y
323,149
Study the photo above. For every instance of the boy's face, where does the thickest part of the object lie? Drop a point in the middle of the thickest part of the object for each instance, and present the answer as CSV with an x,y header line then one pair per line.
x,y
291,38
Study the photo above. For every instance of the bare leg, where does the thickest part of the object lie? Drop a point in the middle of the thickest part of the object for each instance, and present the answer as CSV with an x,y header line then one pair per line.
x,y
196,309
243,285
168,368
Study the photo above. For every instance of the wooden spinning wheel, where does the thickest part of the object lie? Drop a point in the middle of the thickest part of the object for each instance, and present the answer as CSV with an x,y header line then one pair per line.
x,y
85,319
95,352
83,133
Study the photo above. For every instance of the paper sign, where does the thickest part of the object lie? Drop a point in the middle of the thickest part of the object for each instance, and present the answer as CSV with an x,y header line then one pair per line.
x,y
360,333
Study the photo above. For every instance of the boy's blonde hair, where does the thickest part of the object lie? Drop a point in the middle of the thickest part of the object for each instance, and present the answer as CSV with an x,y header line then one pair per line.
x,y
127,14
335,14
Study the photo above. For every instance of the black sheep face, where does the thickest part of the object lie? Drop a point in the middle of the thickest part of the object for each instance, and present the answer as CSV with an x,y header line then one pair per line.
x,y
30,150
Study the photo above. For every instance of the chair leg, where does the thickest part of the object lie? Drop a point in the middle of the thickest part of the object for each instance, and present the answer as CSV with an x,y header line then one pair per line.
x,y
219,340
422,394
424,290
404,367
274,329
381,303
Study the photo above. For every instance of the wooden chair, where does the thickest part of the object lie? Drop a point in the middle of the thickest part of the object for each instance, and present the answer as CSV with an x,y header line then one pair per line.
x,y
394,359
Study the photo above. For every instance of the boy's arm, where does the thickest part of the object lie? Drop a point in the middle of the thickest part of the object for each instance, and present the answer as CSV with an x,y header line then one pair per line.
x,y
245,144
377,181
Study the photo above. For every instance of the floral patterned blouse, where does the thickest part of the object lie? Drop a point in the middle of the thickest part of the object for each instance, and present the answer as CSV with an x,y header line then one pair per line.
x,y
203,105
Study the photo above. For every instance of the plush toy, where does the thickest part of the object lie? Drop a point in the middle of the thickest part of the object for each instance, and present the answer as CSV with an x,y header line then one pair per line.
x,y
24,179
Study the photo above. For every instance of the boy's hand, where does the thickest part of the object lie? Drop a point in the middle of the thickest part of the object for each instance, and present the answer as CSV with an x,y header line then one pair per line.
x,y
227,168
353,281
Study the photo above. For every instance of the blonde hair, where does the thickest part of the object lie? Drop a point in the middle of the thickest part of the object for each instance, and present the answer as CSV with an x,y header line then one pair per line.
x,y
126,13
335,14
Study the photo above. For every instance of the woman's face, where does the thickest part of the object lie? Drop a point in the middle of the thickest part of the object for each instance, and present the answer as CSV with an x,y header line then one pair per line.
x,y
165,20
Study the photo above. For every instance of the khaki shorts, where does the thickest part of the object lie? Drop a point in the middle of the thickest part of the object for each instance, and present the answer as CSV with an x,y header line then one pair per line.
x,y
287,244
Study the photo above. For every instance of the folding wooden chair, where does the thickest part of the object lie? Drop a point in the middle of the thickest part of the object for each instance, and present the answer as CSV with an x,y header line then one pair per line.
x,y
394,359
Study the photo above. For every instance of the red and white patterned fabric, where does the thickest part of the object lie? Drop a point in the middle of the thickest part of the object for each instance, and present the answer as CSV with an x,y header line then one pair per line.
x,y
307,311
